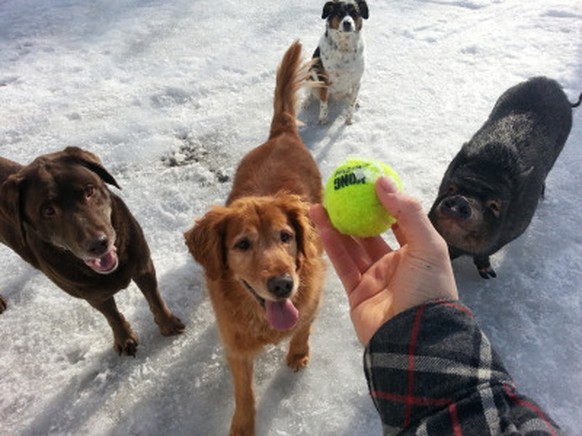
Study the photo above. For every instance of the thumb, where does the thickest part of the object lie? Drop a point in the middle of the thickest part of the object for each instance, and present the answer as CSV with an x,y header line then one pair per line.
x,y
412,220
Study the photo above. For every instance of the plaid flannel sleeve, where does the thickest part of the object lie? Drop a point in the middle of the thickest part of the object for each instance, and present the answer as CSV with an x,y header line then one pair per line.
x,y
432,371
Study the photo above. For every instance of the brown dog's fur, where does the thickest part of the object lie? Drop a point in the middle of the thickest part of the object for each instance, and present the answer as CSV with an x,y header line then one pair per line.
x,y
260,239
58,215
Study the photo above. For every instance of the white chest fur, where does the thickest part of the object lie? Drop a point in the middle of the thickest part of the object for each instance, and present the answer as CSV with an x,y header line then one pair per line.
x,y
342,55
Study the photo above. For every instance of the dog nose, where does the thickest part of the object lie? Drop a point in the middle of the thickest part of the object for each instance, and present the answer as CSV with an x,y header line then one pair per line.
x,y
280,286
347,26
98,246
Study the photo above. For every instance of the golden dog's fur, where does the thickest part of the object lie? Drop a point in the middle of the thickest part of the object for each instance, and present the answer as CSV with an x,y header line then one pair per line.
x,y
260,252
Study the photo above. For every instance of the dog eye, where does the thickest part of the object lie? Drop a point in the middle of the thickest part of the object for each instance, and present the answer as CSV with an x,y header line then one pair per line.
x,y
286,236
243,245
452,190
48,211
89,190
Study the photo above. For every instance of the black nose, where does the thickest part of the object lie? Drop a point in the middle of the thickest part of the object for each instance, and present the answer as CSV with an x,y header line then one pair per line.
x,y
281,286
98,246
347,26
456,206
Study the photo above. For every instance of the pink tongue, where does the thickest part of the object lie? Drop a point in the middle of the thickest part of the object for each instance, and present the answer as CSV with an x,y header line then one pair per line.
x,y
282,315
105,263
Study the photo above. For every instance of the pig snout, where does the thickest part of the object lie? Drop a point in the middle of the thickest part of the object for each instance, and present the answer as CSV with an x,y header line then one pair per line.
x,y
456,206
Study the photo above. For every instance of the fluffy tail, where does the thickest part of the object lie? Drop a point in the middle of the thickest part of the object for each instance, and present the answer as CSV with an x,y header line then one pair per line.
x,y
291,75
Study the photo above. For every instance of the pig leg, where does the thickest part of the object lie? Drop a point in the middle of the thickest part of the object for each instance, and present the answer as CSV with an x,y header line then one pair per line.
x,y
454,252
484,266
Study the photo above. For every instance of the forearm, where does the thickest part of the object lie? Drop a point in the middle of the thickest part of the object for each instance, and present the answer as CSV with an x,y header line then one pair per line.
x,y
431,367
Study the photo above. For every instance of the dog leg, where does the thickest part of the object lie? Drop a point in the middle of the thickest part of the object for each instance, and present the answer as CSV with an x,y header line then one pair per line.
x,y
164,318
353,104
124,338
243,421
323,109
298,355
3,304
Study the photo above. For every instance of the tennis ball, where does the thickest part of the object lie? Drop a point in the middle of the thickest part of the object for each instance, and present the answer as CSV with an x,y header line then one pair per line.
x,y
350,198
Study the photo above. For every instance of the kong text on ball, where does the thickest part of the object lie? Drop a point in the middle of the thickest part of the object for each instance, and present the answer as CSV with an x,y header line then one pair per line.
x,y
350,198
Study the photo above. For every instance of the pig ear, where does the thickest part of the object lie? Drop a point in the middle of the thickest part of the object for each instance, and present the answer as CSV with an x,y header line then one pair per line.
x,y
523,177
91,162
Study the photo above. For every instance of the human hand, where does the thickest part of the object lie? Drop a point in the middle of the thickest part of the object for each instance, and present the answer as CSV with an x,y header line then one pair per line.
x,y
382,282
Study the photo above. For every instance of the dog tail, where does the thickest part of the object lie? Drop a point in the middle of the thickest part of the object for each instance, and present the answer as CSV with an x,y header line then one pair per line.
x,y
291,76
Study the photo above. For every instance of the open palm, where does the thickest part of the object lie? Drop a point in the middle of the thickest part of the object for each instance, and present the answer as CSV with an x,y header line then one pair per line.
x,y
380,281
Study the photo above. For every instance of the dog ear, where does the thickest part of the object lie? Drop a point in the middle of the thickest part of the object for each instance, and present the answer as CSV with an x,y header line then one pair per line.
x,y
328,9
11,206
92,162
363,7
205,241
297,212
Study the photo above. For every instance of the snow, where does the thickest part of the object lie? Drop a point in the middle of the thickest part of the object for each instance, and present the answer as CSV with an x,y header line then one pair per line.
x,y
170,94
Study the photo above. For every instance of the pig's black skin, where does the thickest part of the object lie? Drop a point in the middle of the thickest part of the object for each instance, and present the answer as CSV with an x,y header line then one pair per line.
x,y
491,189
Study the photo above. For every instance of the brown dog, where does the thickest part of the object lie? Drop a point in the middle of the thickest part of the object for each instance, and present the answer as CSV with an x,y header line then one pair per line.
x,y
58,215
261,255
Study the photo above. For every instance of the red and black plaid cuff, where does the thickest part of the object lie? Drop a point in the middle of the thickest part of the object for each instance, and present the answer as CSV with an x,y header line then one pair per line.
x,y
432,369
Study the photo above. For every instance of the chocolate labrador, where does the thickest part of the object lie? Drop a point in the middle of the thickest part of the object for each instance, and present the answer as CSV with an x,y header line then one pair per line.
x,y
58,215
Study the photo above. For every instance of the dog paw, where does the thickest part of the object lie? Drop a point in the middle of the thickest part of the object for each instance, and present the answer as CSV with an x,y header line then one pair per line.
x,y
297,361
127,346
3,304
242,426
171,326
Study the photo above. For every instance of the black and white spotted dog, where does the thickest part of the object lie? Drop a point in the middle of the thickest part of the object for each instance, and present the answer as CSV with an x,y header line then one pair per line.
x,y
339,58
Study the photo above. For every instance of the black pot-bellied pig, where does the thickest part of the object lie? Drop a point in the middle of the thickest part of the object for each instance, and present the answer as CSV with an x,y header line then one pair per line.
x,y
490,190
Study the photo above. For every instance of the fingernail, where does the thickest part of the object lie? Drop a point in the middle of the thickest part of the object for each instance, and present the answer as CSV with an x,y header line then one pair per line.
x,y
387,184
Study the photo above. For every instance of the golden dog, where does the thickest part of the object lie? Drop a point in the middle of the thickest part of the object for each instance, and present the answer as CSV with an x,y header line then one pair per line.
x,y
261,255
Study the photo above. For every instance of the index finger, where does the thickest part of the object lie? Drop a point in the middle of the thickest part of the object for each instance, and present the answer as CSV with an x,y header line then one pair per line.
x,y
339,248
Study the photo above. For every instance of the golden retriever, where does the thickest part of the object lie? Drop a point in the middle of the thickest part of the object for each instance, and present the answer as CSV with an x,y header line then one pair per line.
x,y
261,255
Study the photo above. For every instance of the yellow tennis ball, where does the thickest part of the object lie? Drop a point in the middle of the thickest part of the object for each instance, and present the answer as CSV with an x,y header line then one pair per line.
x,y
350,198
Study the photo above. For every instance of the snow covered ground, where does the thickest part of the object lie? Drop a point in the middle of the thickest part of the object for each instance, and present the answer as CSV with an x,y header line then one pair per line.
x,y
170,94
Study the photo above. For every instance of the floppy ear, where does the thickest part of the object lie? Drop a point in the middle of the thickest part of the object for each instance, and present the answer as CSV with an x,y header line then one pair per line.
x,y
92,162
327,10
363,6
297,212
11,206
205,241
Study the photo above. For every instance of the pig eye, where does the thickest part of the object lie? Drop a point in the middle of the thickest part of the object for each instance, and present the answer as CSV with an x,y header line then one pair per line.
x,y
494,206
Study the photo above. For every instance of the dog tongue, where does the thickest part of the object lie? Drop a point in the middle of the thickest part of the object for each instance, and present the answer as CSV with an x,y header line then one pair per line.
x,y
104,264
282,315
